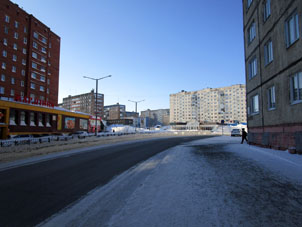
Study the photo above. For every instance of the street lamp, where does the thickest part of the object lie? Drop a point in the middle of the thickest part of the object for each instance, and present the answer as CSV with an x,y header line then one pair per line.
x,y
96,100
136,106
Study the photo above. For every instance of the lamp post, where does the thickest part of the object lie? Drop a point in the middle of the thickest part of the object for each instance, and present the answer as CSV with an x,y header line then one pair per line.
x,y
136,106
96,100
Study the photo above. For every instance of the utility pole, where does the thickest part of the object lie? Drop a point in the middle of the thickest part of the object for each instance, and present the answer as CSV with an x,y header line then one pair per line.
x,y
96,100
136,106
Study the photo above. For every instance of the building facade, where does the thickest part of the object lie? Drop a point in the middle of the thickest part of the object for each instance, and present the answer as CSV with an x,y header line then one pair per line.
x,y
210,105
85,103
114,112
30,56
156,117
273,59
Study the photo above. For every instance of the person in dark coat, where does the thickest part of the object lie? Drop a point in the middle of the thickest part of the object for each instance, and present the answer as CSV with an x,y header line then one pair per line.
x,y
244,135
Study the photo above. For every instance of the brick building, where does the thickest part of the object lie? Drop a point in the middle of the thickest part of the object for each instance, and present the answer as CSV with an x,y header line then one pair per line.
x,y
273,59
29,57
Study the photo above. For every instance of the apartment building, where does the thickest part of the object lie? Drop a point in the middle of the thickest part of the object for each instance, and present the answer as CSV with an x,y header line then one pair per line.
x,y
29,57
85,103
273,59
210,105
157,117
114,112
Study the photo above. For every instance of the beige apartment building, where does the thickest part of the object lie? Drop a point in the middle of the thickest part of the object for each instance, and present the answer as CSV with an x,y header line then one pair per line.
x,y
273,59
210,105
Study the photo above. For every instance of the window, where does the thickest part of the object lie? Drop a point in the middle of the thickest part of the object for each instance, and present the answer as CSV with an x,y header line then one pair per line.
x,y
43,59
12,117
35,45
2,77
22,94
34,55
36,35
6,19
5,42
22,83
5,30
4,53
32,86
42,98
25,40
34,75
32,118
44,40
249,2
48,81
16,35
252,68
14,57
40,120
22,118
34,65
255,104
1,90
24,51
12,80
271,98
3,65
23,72
14,69
16,24
268,52
49,45
42,88
32,96
47,90
296,88
266,9
42,68
25,30
15,46
23,62
42,78
12,92
292,29
43,49
251,32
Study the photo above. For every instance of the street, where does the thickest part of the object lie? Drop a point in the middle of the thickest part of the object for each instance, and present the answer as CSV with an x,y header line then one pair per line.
x,y
194,181
32,193
210,182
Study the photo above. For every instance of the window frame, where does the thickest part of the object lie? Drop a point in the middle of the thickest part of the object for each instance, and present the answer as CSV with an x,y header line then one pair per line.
x,y
252,68
287,29
268,52
271,98
298,75
253,106
266,10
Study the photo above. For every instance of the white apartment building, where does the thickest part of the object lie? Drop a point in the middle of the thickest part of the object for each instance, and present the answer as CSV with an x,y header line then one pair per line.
x,y
209,105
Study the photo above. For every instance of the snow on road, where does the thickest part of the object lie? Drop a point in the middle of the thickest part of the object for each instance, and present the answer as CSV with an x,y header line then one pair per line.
x,y
209,182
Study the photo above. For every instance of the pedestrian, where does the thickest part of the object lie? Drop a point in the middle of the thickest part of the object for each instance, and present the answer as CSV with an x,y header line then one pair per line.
x,y
244,135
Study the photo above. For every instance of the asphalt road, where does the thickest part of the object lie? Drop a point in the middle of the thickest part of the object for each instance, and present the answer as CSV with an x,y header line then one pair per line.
x,y
31,194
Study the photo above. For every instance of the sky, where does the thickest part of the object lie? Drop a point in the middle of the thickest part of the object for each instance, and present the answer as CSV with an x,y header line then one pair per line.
x,y
152,48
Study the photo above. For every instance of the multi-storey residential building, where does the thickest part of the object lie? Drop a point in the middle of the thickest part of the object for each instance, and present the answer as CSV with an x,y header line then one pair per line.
x,y
29,57
160,116
210,105
273,58
85,103
114,112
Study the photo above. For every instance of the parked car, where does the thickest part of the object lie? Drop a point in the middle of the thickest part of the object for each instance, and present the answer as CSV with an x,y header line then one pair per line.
x,y
236,132
80,134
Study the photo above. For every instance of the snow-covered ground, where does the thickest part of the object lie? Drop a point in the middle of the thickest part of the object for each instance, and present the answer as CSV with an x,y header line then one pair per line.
x,y
208,182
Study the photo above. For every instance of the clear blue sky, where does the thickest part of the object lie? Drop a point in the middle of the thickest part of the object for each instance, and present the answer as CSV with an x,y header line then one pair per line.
x,y
152,48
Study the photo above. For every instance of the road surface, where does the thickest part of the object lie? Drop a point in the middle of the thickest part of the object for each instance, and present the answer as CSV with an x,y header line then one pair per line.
x,y
30,194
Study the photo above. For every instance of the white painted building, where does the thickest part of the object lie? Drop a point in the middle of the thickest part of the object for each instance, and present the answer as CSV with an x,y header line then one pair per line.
x,y
209,105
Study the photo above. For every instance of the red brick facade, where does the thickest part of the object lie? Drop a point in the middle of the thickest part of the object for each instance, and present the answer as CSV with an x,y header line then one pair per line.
x,y
29,57
281,137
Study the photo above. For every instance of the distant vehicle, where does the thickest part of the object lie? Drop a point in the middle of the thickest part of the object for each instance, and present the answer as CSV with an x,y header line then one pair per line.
x,y
80,134
22,136
236,132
